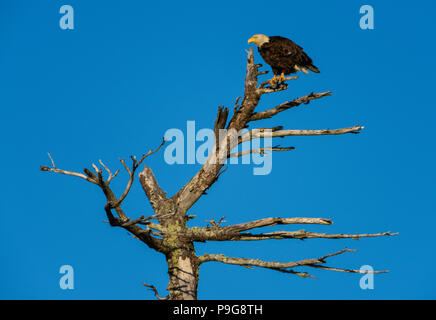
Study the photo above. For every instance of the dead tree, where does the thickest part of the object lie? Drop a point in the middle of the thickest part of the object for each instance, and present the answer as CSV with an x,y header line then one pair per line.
x,y
166,230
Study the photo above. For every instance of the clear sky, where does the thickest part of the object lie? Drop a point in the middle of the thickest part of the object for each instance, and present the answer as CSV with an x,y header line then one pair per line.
x,y
130,70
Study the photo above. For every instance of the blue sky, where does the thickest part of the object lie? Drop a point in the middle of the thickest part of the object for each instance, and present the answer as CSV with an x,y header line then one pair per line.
x,y
131,70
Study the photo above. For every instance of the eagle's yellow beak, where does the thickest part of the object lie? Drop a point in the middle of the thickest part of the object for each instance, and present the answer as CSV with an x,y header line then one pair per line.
x,y
252,39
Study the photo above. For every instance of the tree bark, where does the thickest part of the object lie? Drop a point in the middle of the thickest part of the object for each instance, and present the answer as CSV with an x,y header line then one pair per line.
x,y
179,251
183,270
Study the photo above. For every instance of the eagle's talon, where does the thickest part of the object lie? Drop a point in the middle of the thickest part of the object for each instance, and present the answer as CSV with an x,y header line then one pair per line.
x,y
273,81
277,80
282,78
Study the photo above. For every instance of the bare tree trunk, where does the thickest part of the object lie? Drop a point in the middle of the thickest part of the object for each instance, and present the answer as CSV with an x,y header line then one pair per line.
x,y
179,251
183,270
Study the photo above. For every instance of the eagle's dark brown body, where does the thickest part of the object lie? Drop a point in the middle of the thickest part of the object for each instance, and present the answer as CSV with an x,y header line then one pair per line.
x,y
285,56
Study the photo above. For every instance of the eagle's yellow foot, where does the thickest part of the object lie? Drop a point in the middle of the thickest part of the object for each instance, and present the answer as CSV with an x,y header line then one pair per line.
x,y
282,78
276,79
273,81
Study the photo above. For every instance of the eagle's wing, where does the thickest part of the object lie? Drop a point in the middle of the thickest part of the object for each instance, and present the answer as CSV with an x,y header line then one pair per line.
x,y
288,51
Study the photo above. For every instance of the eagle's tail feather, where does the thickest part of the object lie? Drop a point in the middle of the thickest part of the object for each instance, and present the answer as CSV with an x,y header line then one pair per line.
x,y
313,68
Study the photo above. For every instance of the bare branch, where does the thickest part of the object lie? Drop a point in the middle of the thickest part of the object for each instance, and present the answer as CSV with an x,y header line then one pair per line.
x,y
110,175
301,235
256,134
215,224
129,183
131,172
268,222
280,87
348,270
286,133
288,105
150,152
235,232
231,232
112,201
280,266
123,162
220,123
236,106
152,189
52,162
153,288
68,173
114,222
130,225
96,169
259,150
304,275
221,119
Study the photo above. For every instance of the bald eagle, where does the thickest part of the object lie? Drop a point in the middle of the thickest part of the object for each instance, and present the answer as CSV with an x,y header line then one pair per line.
x,y
283,55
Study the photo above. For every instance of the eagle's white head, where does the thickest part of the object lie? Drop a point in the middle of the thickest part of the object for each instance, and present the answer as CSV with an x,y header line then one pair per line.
x,y
258,39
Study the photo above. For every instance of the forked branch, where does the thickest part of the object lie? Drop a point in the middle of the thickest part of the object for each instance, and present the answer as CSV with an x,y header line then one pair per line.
x,y
280,235
135,165
156,293
112,202
236,232
282,266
